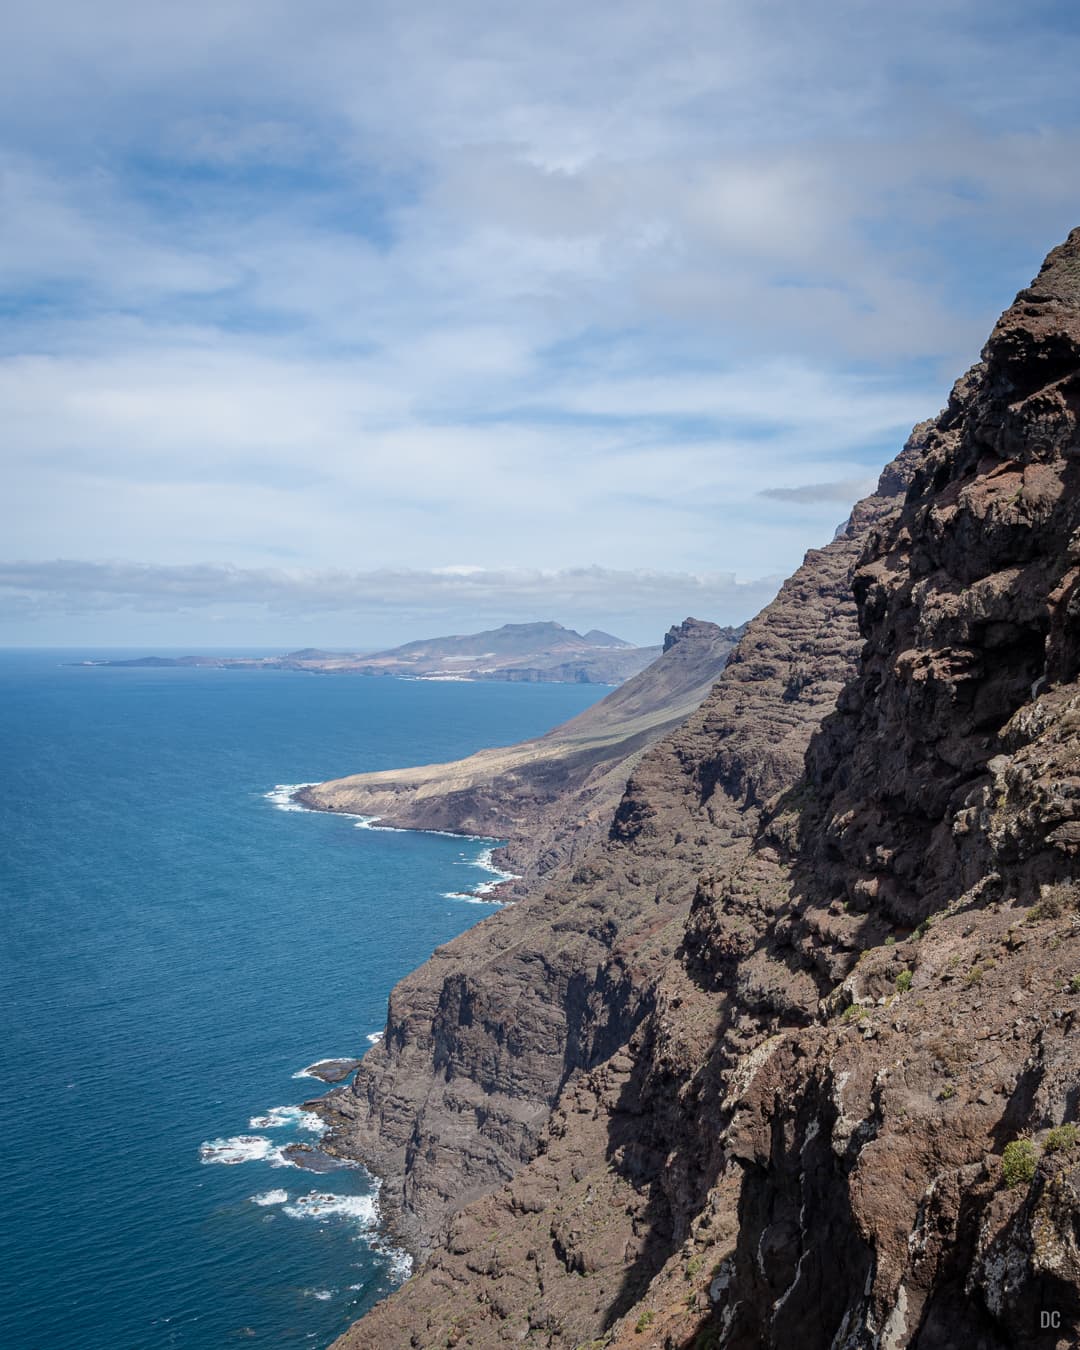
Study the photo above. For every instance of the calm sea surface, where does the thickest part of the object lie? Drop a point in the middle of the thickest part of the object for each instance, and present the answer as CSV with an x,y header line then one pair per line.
x,y
174,948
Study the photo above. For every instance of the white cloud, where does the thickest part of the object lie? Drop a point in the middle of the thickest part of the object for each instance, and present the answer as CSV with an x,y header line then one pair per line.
x,y
370,286
847,491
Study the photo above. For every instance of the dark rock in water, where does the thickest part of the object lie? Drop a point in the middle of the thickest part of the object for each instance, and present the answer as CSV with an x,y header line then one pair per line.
x,y
789,1056
332,1070
313,1159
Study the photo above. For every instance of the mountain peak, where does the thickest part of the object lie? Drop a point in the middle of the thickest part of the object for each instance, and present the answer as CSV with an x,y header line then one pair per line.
x,y
596,637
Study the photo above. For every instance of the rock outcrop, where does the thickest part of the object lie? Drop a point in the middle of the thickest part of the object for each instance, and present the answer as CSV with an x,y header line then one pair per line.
x,y
790,1058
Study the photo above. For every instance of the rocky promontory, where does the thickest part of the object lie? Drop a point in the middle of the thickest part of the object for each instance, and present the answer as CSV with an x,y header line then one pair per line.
x,y
551,794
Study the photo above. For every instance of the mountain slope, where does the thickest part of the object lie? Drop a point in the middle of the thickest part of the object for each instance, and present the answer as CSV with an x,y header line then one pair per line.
x,y
833,1101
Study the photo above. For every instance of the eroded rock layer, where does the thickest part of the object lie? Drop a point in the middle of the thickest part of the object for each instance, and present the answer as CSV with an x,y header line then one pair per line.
x,y
791,1058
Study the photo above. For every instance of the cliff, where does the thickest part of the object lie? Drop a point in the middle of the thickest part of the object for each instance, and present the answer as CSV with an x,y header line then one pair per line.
x,y
481,1039
790,1056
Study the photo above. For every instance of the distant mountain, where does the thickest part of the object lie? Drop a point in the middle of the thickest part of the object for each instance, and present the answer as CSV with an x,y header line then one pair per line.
x,y
517,651
595,637
530,652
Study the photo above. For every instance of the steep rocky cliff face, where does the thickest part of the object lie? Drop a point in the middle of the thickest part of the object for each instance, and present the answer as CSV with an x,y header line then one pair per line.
x,y
481,1039
819,1077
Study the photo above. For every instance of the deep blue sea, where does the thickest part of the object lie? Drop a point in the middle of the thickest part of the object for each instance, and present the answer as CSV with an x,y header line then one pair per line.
x,y
174,948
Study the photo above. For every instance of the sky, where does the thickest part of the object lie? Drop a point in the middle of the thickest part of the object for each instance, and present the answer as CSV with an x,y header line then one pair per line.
x,y
342,324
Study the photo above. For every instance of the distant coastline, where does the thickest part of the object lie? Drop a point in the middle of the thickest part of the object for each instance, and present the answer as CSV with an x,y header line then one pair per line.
x,y
532,653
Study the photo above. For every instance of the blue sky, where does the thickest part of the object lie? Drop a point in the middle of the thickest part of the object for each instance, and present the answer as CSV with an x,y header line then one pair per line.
x,y
345,323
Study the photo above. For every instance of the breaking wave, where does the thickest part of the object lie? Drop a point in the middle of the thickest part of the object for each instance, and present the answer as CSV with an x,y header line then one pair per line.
x,y
242,1148
281,796
289,1117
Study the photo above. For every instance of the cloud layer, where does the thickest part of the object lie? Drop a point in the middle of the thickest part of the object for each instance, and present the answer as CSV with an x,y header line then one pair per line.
x,y
371,289
380,604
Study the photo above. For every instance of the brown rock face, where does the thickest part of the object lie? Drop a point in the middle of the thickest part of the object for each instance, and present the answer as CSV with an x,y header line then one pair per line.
x,y
482,1038
797,1043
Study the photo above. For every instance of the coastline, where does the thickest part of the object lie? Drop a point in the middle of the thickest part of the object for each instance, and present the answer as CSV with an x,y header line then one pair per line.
x,y
390,1220
296,797
528,806
335,1106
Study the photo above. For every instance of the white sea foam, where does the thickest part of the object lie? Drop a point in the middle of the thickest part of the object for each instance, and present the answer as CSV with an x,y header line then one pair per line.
x,y
401,1264
481,894
371,823
277,1197
304,1073
485,862
281,796
479,898
322,1205
242,1148
323,1295
294,1117
375,1036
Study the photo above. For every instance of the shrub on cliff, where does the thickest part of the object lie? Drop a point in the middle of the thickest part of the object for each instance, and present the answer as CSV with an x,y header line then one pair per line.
x,y
1018,1162
1061,1138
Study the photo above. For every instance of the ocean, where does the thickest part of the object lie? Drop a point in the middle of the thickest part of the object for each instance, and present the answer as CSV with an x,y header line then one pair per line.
x,y
174,950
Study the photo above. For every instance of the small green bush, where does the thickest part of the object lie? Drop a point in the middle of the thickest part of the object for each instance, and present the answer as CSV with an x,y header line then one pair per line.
x,y
890,941
855,1012
903,981
1018,1162
1053,902
645,1321
1074,985
1062,1137
946,1092
693,1266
